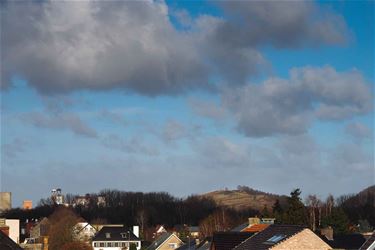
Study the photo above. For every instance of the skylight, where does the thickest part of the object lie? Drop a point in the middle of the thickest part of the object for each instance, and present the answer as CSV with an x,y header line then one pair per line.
x,y
274,239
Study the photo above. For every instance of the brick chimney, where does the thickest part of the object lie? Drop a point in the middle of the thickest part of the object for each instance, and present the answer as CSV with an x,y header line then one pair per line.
x,y
327,232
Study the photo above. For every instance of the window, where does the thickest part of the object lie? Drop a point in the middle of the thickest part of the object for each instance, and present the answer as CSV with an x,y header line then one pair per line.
x,y
172,245
101,244
116,244
107,235
274,239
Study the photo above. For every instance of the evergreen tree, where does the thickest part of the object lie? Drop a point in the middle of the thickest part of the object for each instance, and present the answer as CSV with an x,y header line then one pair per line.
x,y
295,214
265,212
338,220
278,211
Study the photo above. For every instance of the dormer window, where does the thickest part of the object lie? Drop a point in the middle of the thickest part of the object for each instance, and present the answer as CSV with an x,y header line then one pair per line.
x,y
123,235
108,235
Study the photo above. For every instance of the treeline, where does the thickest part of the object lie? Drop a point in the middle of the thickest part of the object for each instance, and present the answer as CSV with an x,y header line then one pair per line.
x,y
147,210
348,213
136,208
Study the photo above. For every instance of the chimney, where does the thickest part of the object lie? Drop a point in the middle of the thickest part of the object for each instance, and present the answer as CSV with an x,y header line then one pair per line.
x,y
253,221
136,231
327,232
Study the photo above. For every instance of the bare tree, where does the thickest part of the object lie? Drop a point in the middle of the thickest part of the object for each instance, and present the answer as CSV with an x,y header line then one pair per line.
x,y
313,203
330,202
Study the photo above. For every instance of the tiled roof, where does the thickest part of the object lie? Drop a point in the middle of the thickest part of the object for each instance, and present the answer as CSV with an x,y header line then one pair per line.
x,y
160,240
7,243
115,234
228,240
256,228
370,241
262,240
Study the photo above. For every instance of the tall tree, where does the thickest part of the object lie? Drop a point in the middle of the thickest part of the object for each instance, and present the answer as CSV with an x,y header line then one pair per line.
x,y
295,214
313,203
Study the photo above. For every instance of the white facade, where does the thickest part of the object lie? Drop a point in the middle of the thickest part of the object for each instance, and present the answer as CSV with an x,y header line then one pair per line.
x,y
14,229
115,245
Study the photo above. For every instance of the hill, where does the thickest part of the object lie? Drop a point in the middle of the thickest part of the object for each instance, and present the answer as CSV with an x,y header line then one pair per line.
x,y
244,198
360,206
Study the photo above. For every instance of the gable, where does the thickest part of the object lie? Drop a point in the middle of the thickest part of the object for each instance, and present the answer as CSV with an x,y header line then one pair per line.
x,y
305,239
172,239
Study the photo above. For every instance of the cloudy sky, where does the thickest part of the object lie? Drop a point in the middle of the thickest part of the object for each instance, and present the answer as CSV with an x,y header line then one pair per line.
x,y
186,97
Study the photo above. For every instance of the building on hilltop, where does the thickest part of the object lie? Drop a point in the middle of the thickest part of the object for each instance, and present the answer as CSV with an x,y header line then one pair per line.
x,y
27,204
5,201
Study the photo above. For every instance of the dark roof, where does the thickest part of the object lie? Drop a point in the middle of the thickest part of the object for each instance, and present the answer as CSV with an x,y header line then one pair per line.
x,y
204,244
160,240
228,240
347,241
190,245
115,234
261,240
368,242
241,227
7,243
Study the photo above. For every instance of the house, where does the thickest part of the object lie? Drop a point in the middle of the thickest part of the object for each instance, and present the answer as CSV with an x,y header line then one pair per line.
x,y
228,240
345,241
40,229
11,227
116,238
204,244
369,244
166,241
190,244
82,201
282,237
83,231
254,225
193,231
7,243
255,228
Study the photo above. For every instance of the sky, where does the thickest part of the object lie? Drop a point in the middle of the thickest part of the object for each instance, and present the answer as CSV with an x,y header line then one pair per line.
x,y
186,96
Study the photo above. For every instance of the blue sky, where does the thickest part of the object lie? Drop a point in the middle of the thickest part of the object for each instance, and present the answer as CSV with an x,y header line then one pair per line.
x,y
186,97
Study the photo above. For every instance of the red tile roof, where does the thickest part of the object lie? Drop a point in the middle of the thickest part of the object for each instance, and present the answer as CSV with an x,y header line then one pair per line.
x,y
255,228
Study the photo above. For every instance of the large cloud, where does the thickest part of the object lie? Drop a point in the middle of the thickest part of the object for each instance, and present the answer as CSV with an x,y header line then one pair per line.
x,y
65,46
288,106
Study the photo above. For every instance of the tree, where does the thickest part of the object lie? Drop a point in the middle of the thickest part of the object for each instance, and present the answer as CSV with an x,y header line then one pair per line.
x,y
278,211
132,246
337,220
313,203
62,222
295,214
142,220
76,245
330,203
265,212
218,221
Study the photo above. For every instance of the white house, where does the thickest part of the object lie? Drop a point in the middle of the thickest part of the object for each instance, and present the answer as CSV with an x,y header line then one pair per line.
x,y
116,238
